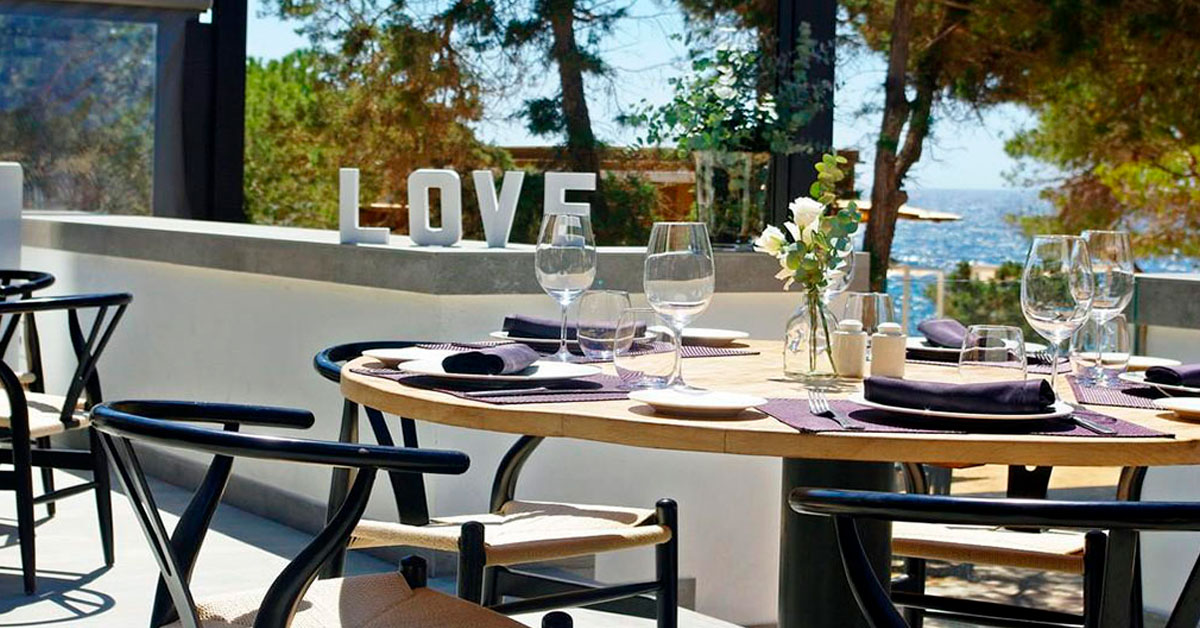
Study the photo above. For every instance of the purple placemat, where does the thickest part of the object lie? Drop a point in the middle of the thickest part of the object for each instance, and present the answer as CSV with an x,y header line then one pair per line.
x,y
1064,366
1119,394
794,413
592,388
689,351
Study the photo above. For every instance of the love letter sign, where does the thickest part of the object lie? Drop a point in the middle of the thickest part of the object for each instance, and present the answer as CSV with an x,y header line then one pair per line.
x,y
496,210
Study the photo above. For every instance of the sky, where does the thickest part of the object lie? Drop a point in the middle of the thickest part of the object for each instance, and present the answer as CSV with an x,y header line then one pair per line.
x,y
964,154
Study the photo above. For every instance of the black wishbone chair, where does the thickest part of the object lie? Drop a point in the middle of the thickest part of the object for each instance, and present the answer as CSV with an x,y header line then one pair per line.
x,y
1112,535
388,599
490,545
21,284
1052,550
32,416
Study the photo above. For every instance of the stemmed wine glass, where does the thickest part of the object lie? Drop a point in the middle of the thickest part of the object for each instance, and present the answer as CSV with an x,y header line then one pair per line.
x,y
1112,266
1057,288
679,279
565,261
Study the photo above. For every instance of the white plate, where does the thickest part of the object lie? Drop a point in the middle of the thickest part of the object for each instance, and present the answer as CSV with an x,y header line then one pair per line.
x,y
1187,407
547,342
392,357
1143,362
1140,378
709,403
705,337
540,371
919,342
1060,409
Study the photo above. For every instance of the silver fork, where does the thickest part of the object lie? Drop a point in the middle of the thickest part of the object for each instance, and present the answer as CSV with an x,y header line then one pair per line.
x,y
818,404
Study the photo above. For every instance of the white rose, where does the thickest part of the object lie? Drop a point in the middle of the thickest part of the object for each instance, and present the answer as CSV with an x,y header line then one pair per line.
x,y
805,211
771,241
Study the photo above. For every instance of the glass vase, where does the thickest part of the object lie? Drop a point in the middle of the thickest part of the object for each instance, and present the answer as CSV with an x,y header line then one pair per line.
x,y
806,350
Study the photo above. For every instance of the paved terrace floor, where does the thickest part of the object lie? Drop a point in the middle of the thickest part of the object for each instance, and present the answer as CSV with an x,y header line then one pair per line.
x,y
244,551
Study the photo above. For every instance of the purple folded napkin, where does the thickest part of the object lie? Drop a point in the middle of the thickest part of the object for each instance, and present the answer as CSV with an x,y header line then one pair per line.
x,y
499,360
522,326
943,332
1183,375
1016,397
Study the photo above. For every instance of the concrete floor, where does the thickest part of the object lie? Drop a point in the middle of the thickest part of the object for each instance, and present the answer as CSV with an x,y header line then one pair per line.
x,y
242,551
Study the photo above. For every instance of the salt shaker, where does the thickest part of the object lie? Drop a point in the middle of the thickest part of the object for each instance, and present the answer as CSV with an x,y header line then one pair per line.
x,y
850,349
888,346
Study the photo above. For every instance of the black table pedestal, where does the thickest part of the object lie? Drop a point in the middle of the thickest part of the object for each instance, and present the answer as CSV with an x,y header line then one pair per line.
x,y
813,592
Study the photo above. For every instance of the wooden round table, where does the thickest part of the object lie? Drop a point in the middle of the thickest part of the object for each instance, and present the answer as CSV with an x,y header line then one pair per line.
x,y
811,591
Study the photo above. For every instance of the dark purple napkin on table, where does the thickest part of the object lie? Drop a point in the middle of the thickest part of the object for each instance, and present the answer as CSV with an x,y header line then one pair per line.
x,y
943,332
1016,397
523,326
499,360
1183,375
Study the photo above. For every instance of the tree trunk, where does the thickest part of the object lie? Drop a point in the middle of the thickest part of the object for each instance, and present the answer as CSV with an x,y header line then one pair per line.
x,y
886,195
582,154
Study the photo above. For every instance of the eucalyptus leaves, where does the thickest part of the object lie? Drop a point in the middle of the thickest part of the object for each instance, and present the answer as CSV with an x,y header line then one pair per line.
x,y
816,241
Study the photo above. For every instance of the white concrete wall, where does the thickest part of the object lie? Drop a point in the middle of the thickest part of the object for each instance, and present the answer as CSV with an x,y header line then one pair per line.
x,y
202,334
1167,557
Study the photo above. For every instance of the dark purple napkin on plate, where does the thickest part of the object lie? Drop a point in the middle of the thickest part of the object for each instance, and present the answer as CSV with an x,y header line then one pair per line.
x,y
523,326
1183,375
1016,397
943,332
499,360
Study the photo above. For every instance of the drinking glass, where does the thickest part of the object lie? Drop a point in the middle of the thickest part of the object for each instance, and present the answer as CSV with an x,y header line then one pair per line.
x,y
1057,287
1112,266
679,278
639,363
992,353
565,262
1100,351
869,308
599,312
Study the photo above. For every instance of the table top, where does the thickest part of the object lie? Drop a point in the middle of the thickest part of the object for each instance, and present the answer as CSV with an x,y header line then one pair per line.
x,y
628,422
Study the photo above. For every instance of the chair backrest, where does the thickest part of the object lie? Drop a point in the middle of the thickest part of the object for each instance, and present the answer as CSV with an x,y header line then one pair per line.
x,y
21,284
160,422
1120,518
88,347
329,361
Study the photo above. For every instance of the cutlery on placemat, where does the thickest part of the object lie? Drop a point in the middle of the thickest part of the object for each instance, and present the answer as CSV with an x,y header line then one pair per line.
x,y
540,390
818,404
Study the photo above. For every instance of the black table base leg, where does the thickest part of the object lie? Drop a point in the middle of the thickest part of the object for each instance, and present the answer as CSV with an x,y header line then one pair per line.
x,y
813,592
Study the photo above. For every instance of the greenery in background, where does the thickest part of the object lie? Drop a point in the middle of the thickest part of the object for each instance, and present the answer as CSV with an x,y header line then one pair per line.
x,y
995,301
76,111
736,99
634,204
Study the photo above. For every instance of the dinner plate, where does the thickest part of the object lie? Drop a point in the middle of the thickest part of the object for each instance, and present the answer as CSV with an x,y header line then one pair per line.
x,y
548,342
708,403
1140,378
708,337
918,342
1059,409
1186,407
540,371
392,357
1143,362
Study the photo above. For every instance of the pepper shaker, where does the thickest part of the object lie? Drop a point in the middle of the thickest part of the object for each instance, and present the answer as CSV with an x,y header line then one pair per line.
x,y
850,349
888,347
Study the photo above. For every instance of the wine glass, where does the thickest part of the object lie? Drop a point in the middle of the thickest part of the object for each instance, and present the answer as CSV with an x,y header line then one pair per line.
x,y
1057,288
679,279
1112,266
565,262
1100,351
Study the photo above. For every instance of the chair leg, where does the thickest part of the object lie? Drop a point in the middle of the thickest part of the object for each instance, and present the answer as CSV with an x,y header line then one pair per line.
x,y
103,497
491,595
666,564
557,619
47,477
472,558
1095,544
23,467
915,569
